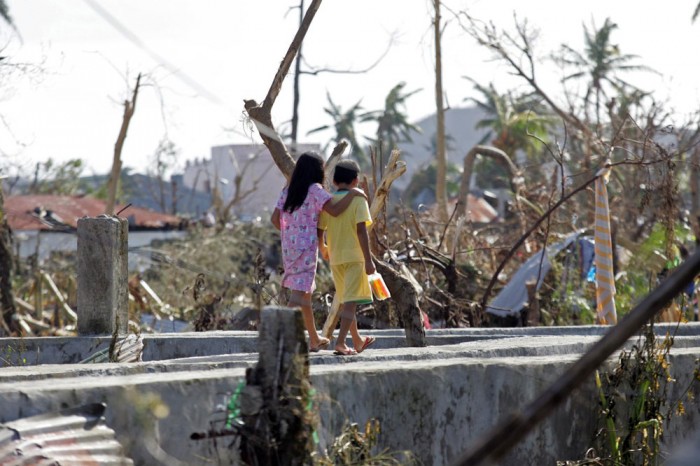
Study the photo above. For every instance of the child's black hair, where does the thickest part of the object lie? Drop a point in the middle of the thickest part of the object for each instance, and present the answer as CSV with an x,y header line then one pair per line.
x,y
346,171
308,170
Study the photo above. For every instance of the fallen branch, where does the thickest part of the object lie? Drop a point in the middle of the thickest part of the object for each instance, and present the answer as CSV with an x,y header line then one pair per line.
x,y
59,296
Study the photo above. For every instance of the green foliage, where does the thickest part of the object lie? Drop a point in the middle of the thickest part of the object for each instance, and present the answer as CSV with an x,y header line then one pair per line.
x,y
570,299
392,121
57,178
515,121
600,64
635,404
344,123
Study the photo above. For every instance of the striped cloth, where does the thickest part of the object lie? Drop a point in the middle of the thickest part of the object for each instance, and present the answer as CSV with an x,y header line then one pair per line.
x,y
605,280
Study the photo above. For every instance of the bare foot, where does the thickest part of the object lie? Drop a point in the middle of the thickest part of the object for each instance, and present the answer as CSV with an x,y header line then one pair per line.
x,y
322,343
344,351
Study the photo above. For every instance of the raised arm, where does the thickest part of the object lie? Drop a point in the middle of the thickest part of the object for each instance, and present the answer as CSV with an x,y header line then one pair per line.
x,y
363,238
275,219
335,209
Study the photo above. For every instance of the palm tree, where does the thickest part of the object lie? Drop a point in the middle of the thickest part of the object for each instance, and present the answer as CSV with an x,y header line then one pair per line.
x,y
600,62
393,126
512,119
344,125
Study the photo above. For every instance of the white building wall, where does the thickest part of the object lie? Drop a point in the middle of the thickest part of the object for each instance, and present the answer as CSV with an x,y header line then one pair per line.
x,y
259,170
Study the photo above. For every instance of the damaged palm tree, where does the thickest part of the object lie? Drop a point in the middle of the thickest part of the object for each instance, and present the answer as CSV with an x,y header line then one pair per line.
x,y
261,115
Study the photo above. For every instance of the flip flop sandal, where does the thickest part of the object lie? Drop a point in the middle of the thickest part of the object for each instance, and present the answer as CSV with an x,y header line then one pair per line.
x,y
349,352
369,341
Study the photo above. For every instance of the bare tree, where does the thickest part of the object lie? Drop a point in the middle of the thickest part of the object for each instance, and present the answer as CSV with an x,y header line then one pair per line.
x,y
441,171
243,186
113,183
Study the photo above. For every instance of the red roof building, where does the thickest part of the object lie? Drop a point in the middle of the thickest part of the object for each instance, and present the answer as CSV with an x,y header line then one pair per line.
x,y
48,212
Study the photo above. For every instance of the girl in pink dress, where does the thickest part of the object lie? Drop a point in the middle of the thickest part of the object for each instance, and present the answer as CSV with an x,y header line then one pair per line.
x,y
296,216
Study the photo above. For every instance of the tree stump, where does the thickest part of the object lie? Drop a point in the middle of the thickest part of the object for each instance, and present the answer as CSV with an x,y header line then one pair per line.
x,y
405,297
277,426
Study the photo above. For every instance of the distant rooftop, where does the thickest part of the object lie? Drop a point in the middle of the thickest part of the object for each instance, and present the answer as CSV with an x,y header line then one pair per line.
x,y
60,213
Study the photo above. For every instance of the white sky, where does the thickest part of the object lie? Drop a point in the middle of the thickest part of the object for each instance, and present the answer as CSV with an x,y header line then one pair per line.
x,y
231,50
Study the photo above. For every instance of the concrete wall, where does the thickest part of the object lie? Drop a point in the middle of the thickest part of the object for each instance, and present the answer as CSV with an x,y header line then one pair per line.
x,y
434,401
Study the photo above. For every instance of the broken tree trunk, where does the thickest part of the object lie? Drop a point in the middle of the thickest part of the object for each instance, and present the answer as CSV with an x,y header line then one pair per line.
x,y
405,296
113,183
261,115
277,426
7,302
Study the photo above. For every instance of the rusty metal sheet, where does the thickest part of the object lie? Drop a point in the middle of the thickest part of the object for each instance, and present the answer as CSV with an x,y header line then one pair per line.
x,y
77,436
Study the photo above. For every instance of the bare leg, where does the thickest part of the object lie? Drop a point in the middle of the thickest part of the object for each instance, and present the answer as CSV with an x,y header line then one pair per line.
x,y
303,300
357,340
347,317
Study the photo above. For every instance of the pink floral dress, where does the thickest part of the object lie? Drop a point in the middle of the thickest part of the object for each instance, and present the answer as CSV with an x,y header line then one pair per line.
x,y
299,239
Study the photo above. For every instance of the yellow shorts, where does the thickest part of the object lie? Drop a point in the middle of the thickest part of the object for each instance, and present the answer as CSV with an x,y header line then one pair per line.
x,y
351,283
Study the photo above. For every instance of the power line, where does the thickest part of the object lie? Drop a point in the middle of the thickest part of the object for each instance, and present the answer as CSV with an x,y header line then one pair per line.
x,y
181,75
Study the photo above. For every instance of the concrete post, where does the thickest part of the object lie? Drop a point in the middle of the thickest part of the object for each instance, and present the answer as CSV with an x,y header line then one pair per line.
x,y
102,275
275,399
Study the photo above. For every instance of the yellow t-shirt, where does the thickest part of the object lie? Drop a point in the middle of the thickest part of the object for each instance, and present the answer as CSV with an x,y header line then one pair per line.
x,y
341,231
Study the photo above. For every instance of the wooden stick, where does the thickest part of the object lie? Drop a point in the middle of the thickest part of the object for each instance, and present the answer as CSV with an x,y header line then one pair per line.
x,y
152,294
59,296
24,305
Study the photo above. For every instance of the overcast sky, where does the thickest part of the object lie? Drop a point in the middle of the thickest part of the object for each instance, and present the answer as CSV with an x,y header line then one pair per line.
x,y
202,58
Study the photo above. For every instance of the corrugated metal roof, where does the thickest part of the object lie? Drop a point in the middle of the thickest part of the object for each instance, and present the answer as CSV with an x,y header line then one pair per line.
x,y
77,436
47,212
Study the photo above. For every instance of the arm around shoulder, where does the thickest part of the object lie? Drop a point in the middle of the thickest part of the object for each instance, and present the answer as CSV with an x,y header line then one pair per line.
x,y
336,208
